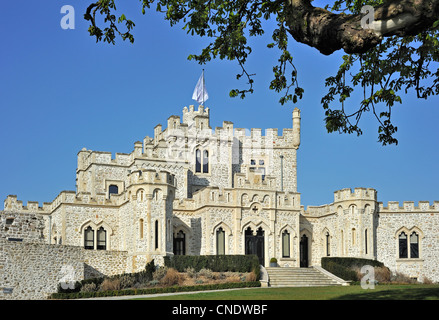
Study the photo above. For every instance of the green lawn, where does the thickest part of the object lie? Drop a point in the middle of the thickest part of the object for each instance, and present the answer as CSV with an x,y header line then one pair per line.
x,y
355,292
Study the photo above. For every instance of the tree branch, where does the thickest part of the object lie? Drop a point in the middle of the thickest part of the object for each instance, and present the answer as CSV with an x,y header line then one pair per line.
x,y
329,32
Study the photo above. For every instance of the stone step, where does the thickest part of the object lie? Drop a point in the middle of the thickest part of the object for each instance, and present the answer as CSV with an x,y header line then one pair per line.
x,y
298,277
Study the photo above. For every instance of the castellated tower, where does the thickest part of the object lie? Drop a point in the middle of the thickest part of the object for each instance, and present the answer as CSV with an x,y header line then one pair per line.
x,y
194,190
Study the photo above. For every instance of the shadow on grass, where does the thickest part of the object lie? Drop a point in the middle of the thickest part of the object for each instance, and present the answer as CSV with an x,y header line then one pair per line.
x,y
394,294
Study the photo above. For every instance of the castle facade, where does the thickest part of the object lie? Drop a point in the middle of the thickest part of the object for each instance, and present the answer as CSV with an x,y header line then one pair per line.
x,y
191,190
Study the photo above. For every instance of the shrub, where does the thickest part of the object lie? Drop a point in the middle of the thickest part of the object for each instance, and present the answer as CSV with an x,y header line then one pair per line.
x,y
89,287
345,267
159,273
110,284
216,263
171,278
191,272
206,273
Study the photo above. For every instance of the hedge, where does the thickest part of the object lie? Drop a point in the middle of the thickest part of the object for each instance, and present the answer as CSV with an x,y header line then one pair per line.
x,y
126,292
342,267
216,263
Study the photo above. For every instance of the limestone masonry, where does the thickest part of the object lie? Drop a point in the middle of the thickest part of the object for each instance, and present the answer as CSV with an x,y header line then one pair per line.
x,y
191,190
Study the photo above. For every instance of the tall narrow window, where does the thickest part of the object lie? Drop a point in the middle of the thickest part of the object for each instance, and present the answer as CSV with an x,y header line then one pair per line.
x,y
403,245
205,161
220,241
102,239
198,160
327,245
365,241
285,244
414,245
141,228
156,234
89,238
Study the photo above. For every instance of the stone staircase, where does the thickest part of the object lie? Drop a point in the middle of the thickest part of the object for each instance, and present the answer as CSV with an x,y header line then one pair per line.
x,y
302,277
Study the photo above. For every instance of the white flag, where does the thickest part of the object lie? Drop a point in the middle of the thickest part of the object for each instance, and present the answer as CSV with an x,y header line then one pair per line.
x,y
200,92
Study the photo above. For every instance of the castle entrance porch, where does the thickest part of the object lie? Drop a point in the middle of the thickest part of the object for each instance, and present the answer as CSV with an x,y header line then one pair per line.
x,y
255,243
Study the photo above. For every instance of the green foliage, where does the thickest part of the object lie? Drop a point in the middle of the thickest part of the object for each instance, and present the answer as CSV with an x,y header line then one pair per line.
x,y
112,293
216,263
342,267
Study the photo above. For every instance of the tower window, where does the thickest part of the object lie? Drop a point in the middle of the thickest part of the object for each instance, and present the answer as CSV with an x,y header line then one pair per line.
x,y
201,161
113,189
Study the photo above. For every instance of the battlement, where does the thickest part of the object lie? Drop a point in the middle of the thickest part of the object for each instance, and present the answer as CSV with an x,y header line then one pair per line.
x,y
254,181
195,127
356,194
89,157
152,177
408,207
12,204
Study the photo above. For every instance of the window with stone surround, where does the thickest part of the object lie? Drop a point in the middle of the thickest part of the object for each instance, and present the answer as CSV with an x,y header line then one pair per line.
x,y
201,161
113,189
409,244
327,244
101,239
220,241
285,244
89,238
257,166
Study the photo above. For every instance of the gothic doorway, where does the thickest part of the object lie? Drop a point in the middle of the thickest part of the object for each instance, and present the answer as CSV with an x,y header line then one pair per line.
x,y
255,244
180,243
304,251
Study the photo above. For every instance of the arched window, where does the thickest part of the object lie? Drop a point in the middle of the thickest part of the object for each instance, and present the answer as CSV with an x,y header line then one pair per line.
x,y
354,236
201,161
220,241
156,234
89,238
327,244
285,244
205,161
102,239
414,245
113,189
403,245
198,160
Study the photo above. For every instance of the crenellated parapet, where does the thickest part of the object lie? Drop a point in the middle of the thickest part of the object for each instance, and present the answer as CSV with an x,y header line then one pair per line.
x,y
408,207
88,157
357,194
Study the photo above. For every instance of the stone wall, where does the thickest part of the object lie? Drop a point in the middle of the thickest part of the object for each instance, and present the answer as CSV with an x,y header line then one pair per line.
x,y
422,220
30,271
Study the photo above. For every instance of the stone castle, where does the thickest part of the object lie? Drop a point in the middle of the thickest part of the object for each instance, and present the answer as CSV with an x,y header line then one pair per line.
x,y
191,190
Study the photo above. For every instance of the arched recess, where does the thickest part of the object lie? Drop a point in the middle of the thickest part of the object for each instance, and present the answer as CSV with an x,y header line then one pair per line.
x,y
326,240
182,227
227,236
287,234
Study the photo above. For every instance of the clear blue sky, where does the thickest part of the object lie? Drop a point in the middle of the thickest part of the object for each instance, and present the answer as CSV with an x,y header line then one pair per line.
x,y
60,91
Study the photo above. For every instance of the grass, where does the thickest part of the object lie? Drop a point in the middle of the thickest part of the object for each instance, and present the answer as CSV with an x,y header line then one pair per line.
x,y
354,292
